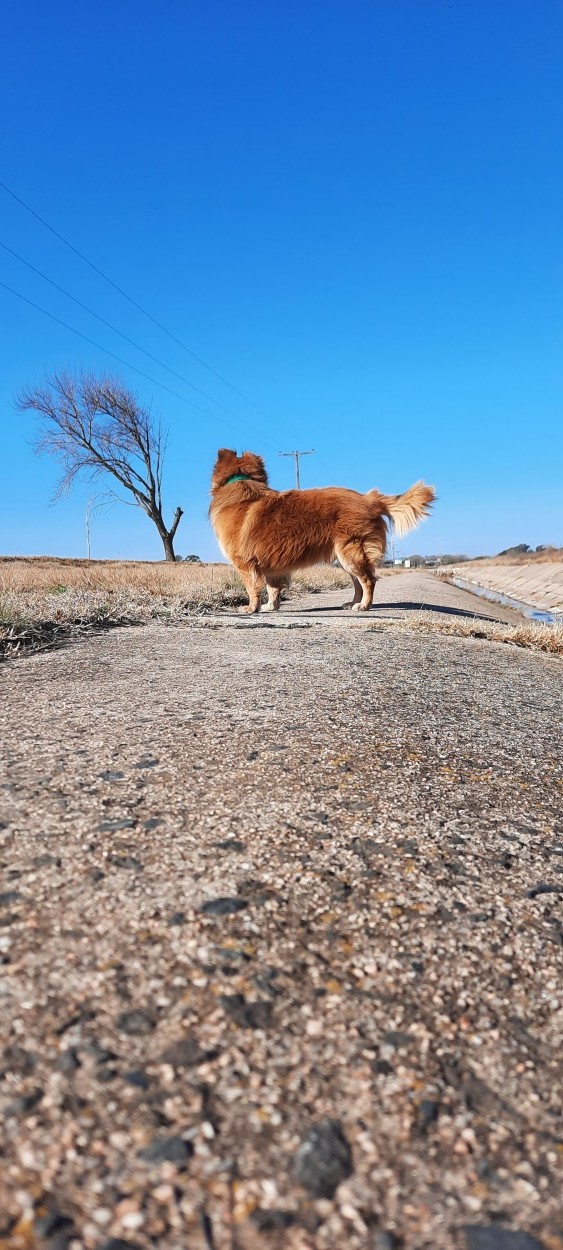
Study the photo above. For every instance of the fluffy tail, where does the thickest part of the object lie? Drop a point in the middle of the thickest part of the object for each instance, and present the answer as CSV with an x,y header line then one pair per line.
x,y
405,511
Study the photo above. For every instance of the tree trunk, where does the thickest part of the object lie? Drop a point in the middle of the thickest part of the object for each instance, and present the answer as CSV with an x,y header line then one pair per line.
x,y
168,544
167,536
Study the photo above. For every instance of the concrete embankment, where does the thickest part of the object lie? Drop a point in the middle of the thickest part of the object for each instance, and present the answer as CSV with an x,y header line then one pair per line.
x,y
535,590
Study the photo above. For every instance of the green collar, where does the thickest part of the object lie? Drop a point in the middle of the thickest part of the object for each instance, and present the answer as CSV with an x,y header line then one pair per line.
x,y
238,477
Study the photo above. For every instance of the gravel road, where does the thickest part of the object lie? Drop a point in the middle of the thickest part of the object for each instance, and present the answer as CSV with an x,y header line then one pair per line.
x,y
281,960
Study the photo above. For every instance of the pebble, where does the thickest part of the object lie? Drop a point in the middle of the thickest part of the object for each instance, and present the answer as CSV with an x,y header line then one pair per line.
x,y
184,1054
250,1015
428,1113
138,1078
270,1221
167,1150
126,861
110,826
10,896
324,1159
136,1022
223,906
53,1221
544,888
493,1237
118,1243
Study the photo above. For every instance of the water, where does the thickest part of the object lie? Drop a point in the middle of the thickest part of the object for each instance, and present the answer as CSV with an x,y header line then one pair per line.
x,y
497,596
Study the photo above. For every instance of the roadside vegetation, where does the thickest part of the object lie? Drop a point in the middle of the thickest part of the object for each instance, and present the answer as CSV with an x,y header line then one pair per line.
x,y
44,600
531,635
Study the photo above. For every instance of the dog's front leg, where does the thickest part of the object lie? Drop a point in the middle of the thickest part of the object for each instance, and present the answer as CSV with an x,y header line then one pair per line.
x,y
253,582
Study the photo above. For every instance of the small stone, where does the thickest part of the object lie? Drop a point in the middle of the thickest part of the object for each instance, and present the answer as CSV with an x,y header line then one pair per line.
x,y
229,844
324,1159
168,1150
397,1039
46,861
100,1054
147,762
269,1221
544,888
493,1237
68,1060
126,861
25,1102
10,896
118,1243
136,1023
428,1113
138,1078
105,1075
110,775
177,917
152,823
17,1059
110,826
252,755
223,906
53,1221
253,1015
133,1220
185,1053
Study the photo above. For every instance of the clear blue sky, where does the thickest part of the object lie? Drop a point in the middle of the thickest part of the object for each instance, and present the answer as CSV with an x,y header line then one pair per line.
x,y
352,211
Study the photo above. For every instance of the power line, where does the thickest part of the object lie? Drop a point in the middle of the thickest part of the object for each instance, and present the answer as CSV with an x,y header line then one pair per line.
x,y
114,356
296,455
126,337
132,301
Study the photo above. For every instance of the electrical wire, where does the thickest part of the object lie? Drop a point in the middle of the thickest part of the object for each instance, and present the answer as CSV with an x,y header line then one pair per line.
x,y
134,302
114,356
126,337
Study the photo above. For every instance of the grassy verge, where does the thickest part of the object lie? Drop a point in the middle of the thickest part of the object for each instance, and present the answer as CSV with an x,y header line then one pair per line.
x,y
529,634
43,602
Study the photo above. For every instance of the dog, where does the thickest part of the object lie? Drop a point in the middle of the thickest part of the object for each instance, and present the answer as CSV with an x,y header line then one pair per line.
x,y
268,534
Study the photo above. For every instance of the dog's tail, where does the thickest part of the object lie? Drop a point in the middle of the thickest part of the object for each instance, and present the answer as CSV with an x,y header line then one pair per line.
x,y
405,511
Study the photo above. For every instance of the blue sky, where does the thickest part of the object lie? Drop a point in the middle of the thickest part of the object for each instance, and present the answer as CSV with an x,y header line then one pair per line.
x,y
351,211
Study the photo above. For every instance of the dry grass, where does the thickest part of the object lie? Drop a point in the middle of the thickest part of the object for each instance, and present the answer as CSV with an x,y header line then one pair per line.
x,y
532,635
43,599
195,583
553,555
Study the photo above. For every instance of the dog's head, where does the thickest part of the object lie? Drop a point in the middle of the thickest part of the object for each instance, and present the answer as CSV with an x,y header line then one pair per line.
x,y
229,465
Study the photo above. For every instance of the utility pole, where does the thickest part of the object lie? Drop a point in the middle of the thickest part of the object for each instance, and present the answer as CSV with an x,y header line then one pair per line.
x,y
296,455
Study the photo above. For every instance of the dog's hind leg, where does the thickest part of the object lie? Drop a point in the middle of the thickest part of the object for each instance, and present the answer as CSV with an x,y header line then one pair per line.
x,y
357,593
354,559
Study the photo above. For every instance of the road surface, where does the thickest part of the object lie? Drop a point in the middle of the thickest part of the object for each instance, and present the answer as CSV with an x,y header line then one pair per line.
x,y
280,938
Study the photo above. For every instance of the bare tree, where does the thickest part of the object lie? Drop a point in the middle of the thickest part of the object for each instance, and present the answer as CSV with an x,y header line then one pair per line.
x,y
96,426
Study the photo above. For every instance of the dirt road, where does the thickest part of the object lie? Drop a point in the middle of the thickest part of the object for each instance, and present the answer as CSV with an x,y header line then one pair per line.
x,y
281,954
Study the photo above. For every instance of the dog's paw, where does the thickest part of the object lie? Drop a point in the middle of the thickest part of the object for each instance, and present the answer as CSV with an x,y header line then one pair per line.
x,y
360,607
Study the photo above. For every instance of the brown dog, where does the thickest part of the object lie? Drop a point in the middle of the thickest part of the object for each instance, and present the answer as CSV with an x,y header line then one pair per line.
x,y
267,534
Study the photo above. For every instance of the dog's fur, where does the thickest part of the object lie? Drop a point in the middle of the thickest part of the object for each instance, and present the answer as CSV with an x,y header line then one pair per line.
x,y
267,534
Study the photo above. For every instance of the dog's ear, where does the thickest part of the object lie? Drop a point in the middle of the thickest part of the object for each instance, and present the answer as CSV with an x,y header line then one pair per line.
x,y
253,465
224,452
